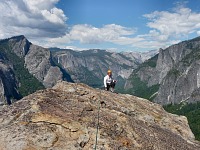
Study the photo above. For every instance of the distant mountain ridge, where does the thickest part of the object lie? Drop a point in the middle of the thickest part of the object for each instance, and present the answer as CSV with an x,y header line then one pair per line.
x,y
25,67
172,76
141,56
90,66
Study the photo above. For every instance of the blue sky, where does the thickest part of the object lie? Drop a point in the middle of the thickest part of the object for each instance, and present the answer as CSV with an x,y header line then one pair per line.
x,y
118,25
99,12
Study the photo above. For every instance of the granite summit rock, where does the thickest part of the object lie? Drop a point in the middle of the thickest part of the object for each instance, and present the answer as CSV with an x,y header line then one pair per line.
x,y
65,118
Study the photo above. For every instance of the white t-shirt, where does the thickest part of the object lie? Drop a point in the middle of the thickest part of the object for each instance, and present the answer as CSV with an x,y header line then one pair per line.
x,y
107,79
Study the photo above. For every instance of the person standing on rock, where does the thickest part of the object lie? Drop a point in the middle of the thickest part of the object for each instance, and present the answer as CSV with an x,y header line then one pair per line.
x,y
109,82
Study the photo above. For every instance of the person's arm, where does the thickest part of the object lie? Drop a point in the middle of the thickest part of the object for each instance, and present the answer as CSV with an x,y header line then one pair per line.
x,y
104,81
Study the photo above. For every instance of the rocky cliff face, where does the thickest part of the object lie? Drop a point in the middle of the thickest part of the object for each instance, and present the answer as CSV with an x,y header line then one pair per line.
x,y
140,56
37,60
23,67
19,45
8,84
90,66
65,117
176,70
181,82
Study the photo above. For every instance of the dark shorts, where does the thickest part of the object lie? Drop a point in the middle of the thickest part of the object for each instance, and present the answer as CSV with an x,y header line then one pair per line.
x,y
110,85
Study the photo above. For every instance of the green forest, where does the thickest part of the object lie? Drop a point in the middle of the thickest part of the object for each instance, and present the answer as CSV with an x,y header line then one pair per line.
x,y
191,111
28,83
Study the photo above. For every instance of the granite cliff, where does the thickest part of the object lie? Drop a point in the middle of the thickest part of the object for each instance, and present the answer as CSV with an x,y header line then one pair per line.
x,y
65,117
181,74
8,85
24,68
36,59
90,66
172,76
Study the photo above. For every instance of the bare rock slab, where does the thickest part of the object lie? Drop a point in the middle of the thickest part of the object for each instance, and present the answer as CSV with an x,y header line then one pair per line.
x,y
65,118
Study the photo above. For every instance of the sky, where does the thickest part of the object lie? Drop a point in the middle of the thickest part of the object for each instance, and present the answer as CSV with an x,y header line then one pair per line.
x,y
117,25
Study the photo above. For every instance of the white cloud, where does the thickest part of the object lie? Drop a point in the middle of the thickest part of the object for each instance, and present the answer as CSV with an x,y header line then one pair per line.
x,y
76,48
168,25
92,35
54,16
45,24
115,34
87,34
166,28
33,18
61,40
40,4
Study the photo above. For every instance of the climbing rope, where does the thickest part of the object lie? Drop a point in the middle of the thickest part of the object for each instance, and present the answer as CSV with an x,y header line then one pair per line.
x,y
95,147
